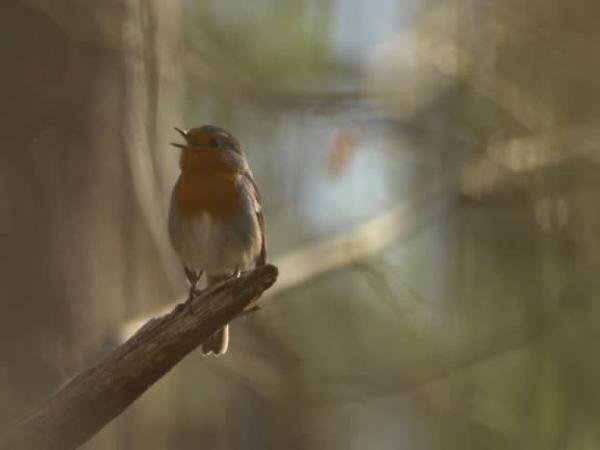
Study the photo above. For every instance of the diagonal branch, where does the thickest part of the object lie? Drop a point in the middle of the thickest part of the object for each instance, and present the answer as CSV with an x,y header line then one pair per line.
x,y
369,238
97,395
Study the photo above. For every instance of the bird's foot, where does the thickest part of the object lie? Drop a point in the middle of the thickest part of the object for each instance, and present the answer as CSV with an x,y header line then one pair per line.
x,y
192,293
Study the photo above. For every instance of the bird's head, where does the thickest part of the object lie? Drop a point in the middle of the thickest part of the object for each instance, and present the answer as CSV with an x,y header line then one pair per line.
x,y
207,137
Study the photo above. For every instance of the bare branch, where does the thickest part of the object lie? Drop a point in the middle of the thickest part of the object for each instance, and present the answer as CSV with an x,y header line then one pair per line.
x,y
96,396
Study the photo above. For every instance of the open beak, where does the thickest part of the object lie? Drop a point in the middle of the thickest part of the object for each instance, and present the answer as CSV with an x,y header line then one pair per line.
x,y
182,133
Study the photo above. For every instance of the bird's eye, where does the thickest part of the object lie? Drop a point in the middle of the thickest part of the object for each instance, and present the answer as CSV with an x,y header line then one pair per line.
x,y
214,142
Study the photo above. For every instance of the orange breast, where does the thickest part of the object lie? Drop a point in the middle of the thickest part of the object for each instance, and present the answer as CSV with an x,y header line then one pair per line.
x,y
208,183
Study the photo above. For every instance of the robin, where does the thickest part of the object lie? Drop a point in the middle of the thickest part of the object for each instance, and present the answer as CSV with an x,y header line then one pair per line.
x,y
216,222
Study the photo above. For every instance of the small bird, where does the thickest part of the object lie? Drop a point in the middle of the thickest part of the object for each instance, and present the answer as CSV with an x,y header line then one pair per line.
x,y
216,222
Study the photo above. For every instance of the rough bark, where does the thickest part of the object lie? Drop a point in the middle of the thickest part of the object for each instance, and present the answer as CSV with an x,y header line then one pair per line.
x,y
94,397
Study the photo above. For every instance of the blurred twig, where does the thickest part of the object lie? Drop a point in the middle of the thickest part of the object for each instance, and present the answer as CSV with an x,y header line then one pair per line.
x,y
96,396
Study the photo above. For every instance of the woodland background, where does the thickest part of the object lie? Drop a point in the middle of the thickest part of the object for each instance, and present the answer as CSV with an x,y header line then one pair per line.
x,y
430,175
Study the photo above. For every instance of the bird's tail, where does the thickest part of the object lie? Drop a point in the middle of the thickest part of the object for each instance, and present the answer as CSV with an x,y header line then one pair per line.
x,y
218,342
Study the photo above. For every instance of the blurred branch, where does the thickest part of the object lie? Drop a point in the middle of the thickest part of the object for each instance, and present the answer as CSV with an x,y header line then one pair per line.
x,y
96,396
455,357
364,240
369,238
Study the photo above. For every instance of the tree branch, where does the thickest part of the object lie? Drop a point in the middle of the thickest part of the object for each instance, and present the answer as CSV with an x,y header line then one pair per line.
x,y
364,240
97,395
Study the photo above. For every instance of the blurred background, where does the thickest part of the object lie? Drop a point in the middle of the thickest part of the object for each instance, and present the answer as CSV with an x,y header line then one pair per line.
x,y
430,174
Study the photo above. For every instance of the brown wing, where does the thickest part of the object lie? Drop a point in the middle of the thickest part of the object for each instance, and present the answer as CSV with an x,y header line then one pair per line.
x,y
261,259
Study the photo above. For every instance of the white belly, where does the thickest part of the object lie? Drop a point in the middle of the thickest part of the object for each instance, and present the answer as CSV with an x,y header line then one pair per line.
x,y
217,247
